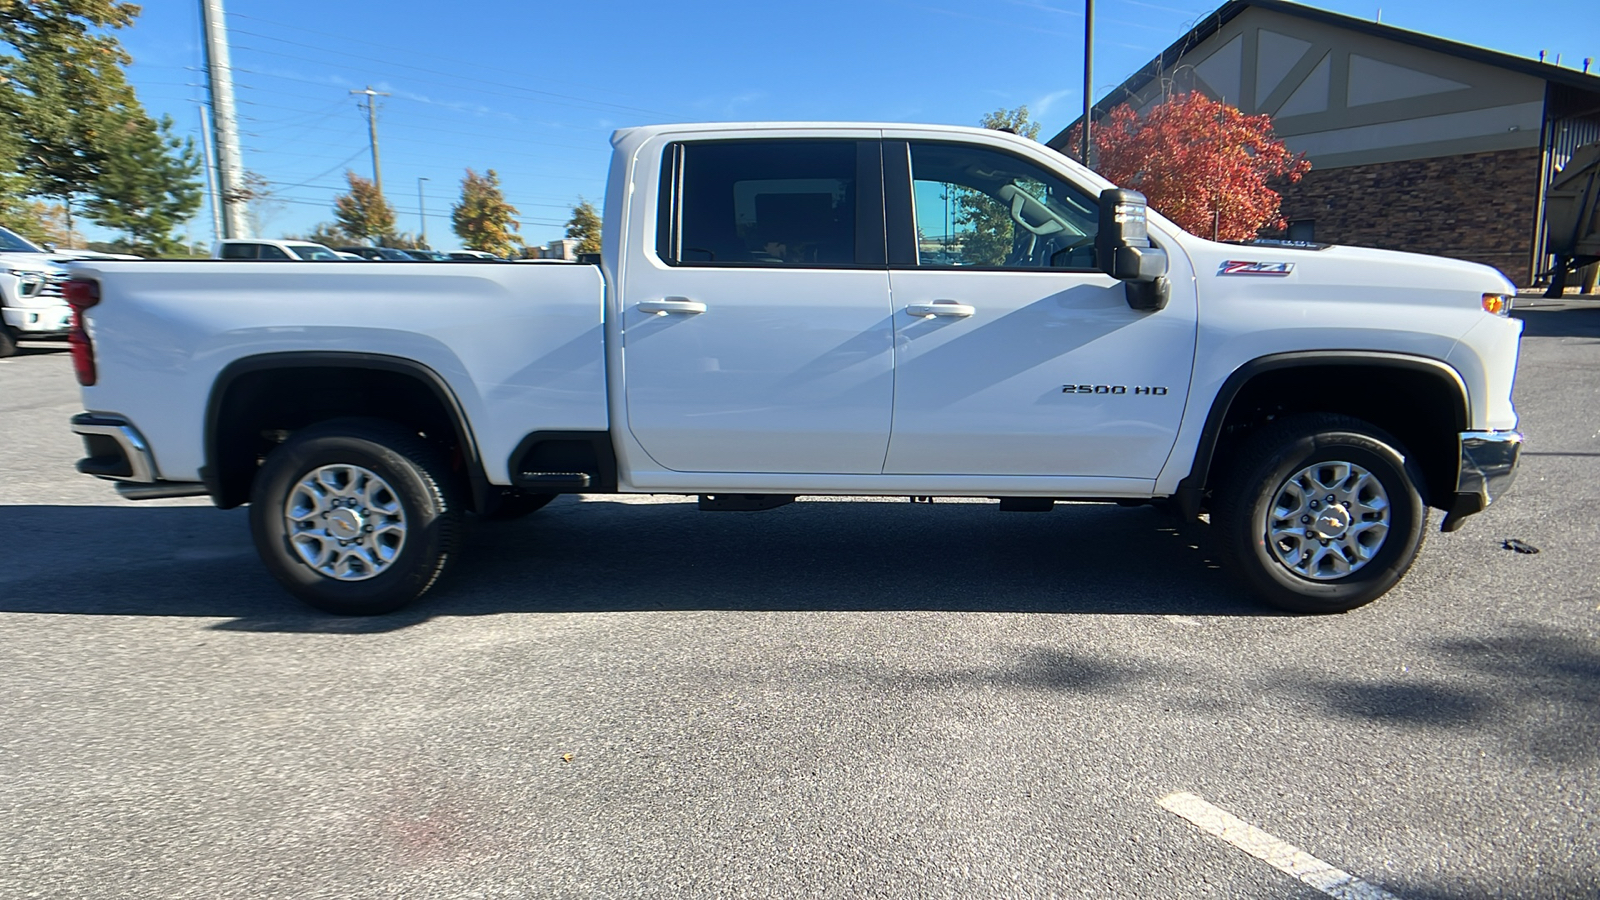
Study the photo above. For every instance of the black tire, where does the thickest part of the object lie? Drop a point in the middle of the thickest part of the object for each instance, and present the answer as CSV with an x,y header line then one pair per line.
x,y
514,505
417,474
8,341
1251,488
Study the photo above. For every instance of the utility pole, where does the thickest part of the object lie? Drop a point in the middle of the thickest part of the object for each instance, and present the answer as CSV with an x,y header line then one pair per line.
x,y
1088,79
372,130
230,166
422,214
211,174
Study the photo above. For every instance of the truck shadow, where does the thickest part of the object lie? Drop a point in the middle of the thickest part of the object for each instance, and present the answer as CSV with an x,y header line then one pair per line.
x,y
602,555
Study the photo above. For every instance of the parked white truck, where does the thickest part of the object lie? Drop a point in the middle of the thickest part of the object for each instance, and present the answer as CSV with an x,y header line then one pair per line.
x,y
786,309
31,305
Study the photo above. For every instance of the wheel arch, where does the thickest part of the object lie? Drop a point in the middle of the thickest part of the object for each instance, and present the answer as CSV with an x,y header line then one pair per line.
x,y
243,396
1426,412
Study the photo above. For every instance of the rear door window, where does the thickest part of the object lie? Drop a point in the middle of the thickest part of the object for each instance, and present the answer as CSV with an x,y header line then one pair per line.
x,y
788,203
238,251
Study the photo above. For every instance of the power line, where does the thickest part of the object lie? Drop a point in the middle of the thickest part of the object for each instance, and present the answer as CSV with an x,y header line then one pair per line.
x,y
413,53
575,102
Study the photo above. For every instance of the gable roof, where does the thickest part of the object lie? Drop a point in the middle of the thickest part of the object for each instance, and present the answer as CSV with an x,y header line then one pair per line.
x,y
1214,21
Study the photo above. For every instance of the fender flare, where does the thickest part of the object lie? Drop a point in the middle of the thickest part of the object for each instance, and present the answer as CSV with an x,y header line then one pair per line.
x,y
210,473
1191,490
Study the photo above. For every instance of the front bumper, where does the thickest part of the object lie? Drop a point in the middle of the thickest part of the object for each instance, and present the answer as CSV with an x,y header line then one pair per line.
x,y
118,452
1488,467
38,320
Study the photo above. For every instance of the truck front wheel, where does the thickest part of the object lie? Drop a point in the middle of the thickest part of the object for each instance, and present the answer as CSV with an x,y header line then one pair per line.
x,y
1320,513
8,341
355,516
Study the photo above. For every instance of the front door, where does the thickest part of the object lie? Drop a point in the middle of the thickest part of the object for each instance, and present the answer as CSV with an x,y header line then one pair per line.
x,y
1014,355
760,338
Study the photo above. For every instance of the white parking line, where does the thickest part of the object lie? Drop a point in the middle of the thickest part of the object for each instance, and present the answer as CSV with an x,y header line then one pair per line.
x,y
1281,855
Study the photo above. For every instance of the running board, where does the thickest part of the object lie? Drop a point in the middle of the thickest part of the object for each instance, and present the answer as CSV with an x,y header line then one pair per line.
x,y
743,502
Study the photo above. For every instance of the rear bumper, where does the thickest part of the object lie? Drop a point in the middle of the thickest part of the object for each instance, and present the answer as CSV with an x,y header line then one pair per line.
x,y
1488,467
116,451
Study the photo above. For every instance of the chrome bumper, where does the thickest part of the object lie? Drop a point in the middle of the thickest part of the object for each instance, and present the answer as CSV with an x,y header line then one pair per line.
x,y
118,452
1488,467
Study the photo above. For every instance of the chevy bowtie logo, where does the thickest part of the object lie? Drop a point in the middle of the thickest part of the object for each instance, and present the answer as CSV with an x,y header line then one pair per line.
x,y
1245,267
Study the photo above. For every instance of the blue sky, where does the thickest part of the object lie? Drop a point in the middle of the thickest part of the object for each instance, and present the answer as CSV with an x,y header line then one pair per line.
x,y
534,90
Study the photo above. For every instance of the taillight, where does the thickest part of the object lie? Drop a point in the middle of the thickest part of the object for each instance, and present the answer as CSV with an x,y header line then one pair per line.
x,y
81,295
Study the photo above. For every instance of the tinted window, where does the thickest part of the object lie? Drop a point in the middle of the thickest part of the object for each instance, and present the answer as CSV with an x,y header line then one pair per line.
x,y
270,252
768,203
238,251
980,207
310,251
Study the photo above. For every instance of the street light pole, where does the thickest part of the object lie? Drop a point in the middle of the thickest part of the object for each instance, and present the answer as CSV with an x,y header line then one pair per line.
x,y
1088,78
423,214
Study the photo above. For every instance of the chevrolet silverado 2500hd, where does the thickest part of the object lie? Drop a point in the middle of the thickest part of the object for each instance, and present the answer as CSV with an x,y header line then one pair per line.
x,y
785,309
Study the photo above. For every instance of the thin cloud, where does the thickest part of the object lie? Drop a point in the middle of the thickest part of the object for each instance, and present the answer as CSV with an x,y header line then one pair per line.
x,y
1041,106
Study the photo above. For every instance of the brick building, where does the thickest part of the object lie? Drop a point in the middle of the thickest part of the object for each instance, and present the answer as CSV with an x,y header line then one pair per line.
x,y
1416,143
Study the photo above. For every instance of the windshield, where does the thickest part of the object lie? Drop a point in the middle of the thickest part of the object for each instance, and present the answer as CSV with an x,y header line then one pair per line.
x,y
312,251
11,242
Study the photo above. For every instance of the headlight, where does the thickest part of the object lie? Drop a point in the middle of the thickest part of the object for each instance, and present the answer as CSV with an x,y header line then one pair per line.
x,y
1497,304
29,282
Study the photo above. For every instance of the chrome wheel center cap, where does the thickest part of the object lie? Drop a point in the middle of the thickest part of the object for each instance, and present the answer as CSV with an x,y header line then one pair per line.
x,y
345,524
1332,523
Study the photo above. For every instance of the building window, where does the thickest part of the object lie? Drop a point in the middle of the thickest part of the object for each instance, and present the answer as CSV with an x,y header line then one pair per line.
x,y
1303,230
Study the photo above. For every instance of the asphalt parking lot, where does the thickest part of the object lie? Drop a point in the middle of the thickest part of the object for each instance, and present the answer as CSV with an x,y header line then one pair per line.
x,y
630,698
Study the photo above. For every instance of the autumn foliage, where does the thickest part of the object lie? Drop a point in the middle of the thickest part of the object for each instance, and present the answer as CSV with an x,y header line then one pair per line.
x,y
1203,164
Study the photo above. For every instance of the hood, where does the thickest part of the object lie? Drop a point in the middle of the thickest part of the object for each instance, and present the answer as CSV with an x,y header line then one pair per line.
x,y
31,262
1311,269
70,255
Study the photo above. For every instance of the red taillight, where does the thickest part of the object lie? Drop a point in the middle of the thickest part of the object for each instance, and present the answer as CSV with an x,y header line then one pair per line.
x,y
81,295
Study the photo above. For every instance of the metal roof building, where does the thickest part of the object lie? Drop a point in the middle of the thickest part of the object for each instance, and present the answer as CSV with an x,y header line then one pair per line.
x,y
1416,142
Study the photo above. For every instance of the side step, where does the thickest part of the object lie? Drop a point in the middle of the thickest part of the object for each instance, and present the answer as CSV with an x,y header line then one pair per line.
x,y
552,482
742,502
1027,504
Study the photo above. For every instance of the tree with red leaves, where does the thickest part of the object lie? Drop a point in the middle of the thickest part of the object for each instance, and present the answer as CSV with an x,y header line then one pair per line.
x,y
1202,163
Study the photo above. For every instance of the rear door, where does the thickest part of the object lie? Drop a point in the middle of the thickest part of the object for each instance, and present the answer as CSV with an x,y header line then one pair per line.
x,y
758,337
1015,355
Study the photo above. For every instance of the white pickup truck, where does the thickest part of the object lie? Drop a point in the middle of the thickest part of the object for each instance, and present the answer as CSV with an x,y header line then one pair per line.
x,y
818,309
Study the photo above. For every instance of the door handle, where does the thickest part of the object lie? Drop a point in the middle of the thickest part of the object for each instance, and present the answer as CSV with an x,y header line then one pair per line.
x,y
941,308
672,305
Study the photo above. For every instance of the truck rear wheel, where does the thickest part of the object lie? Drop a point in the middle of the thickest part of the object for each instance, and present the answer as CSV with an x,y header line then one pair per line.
x,y
1320,513
355,516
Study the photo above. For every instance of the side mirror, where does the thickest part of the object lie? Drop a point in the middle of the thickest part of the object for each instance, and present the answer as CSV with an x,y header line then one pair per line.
x,y
1123,249
48,247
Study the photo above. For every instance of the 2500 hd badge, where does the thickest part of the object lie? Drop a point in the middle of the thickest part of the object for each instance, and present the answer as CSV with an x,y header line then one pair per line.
x,y
1113,389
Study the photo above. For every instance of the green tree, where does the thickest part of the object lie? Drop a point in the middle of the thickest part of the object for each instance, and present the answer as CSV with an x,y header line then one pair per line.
x,y
1013,120
62,89
148,184
73,127
363,213
483,219
584,226
328,234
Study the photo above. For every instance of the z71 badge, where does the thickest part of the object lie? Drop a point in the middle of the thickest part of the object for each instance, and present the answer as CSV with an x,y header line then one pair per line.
x,y
1245,267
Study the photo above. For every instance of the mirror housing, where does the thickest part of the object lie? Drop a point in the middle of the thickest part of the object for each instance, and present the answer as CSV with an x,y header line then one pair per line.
x,y
1123,249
